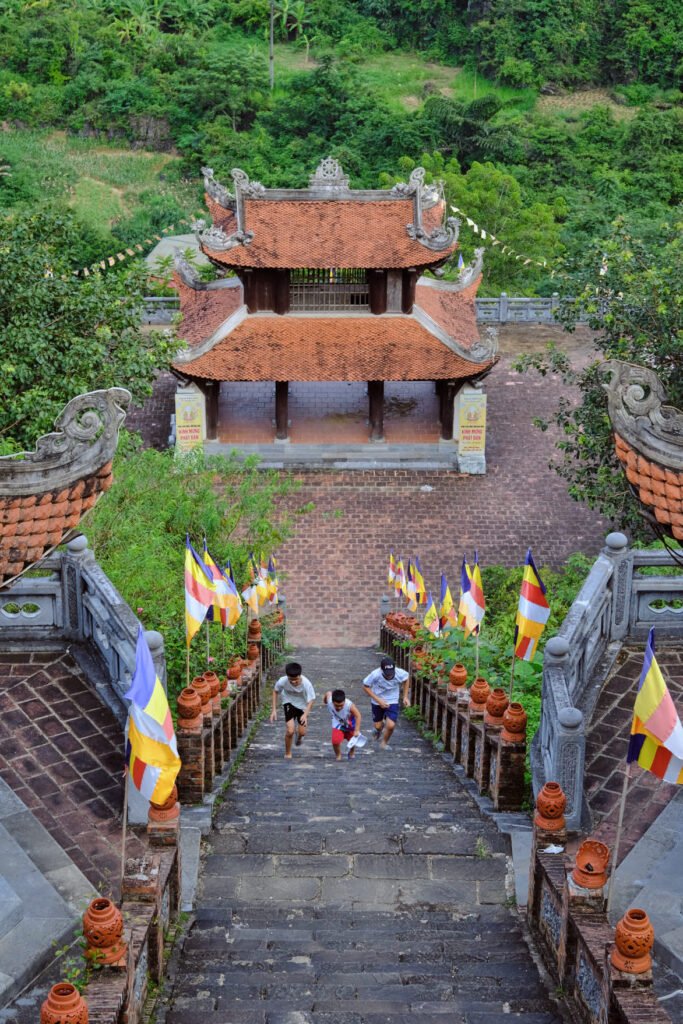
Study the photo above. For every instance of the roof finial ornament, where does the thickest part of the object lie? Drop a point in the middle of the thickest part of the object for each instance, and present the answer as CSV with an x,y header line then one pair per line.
x,y
219,193
186,272
329,177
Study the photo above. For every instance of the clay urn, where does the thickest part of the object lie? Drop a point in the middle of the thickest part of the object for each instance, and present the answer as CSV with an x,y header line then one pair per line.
x,y
64,1005
496,706
215,685
223,687
189,708
201,687
103,930
634,937
254,631
514,724
252,652
550,805
457,678
592,858
235,668
479,694
168,811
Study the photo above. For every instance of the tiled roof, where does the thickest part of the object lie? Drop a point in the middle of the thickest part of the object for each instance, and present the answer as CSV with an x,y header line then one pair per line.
x,y
659,489
205,311
343,233
266,347
454,311
45,493
30,526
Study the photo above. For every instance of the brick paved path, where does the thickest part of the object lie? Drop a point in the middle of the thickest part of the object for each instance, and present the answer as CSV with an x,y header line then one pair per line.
x,y
353,892
62,753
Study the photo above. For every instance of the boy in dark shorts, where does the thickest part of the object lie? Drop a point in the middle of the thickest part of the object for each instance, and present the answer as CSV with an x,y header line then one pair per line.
x,y
345,720
383,688
297,700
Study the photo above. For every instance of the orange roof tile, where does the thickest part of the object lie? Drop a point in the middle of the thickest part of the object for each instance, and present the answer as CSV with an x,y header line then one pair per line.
x,y
30,526
314,233
658,488
265,347
204,311
454,311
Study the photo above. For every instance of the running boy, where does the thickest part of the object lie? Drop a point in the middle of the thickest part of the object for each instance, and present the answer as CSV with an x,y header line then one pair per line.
x,y
297,700
345,720
382,687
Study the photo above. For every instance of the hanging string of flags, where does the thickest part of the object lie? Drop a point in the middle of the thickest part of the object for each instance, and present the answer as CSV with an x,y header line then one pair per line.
x,y
487,236
135,250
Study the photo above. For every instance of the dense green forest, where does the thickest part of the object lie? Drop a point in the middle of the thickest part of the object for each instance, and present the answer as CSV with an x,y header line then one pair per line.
x,y
481,92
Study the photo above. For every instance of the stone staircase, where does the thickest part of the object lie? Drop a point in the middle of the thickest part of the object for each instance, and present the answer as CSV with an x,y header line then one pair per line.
x,y
357,892
437,456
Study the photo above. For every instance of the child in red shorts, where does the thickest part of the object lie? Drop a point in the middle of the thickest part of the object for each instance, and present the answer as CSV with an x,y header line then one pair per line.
x,y
345,720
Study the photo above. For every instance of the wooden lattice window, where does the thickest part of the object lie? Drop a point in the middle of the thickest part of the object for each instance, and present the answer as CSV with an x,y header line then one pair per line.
x,y
331,288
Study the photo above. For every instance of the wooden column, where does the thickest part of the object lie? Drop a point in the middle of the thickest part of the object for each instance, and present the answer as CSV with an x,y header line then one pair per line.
x,y
446,397
409,283
211,389
281,298
281,410
377,291
376,408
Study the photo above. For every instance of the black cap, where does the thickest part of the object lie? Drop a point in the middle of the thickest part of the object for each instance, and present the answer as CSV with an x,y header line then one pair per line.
x,y
388,668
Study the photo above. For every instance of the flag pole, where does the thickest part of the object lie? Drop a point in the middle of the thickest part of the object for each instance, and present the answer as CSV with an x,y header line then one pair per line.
x,y
124,826
187,665
476,655
617,841
208,642
512,669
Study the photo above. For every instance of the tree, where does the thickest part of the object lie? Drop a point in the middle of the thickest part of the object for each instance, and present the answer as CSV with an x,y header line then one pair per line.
x,y
632,294
60,334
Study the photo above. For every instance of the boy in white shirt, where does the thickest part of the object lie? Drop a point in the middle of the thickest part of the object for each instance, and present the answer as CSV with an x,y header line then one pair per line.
x,y
383,688
297,700
345,720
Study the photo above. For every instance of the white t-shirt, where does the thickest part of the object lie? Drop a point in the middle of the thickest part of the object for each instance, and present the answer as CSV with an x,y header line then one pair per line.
x,y
340,719
299,696
385,689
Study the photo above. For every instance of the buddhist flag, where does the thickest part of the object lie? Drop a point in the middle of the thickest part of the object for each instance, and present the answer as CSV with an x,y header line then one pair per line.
x,y
250,597
533,612
410,588
227,604
391,574
273,582
151,748
200,591
447,615
473,599
420,589
656,733
431,619
465,577
399,582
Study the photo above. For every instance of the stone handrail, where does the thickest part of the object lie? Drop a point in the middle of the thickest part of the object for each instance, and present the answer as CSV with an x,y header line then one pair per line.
x,y
502,309
614,605
75,601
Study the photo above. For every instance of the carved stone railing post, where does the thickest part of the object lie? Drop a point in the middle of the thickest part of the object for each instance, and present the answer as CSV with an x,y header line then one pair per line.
x,y
72,587
155,642
617,550
565,759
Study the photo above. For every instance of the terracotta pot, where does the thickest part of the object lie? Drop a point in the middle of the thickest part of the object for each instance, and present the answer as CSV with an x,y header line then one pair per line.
x,y
479,694
235,670
457,678
189,708
592,858
102,930
223,688
202,688
496,706
253,652
634,937
550,805
254,632
168,811
64,1005
514,724
215,685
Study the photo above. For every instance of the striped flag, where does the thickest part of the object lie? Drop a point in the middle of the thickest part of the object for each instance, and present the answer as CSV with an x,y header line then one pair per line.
x,y
420,588
391,574
473,600
465,582
533,611
447,616
431,619
656,733
273,582
410,588
400,581
227,605
200,591
151,748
